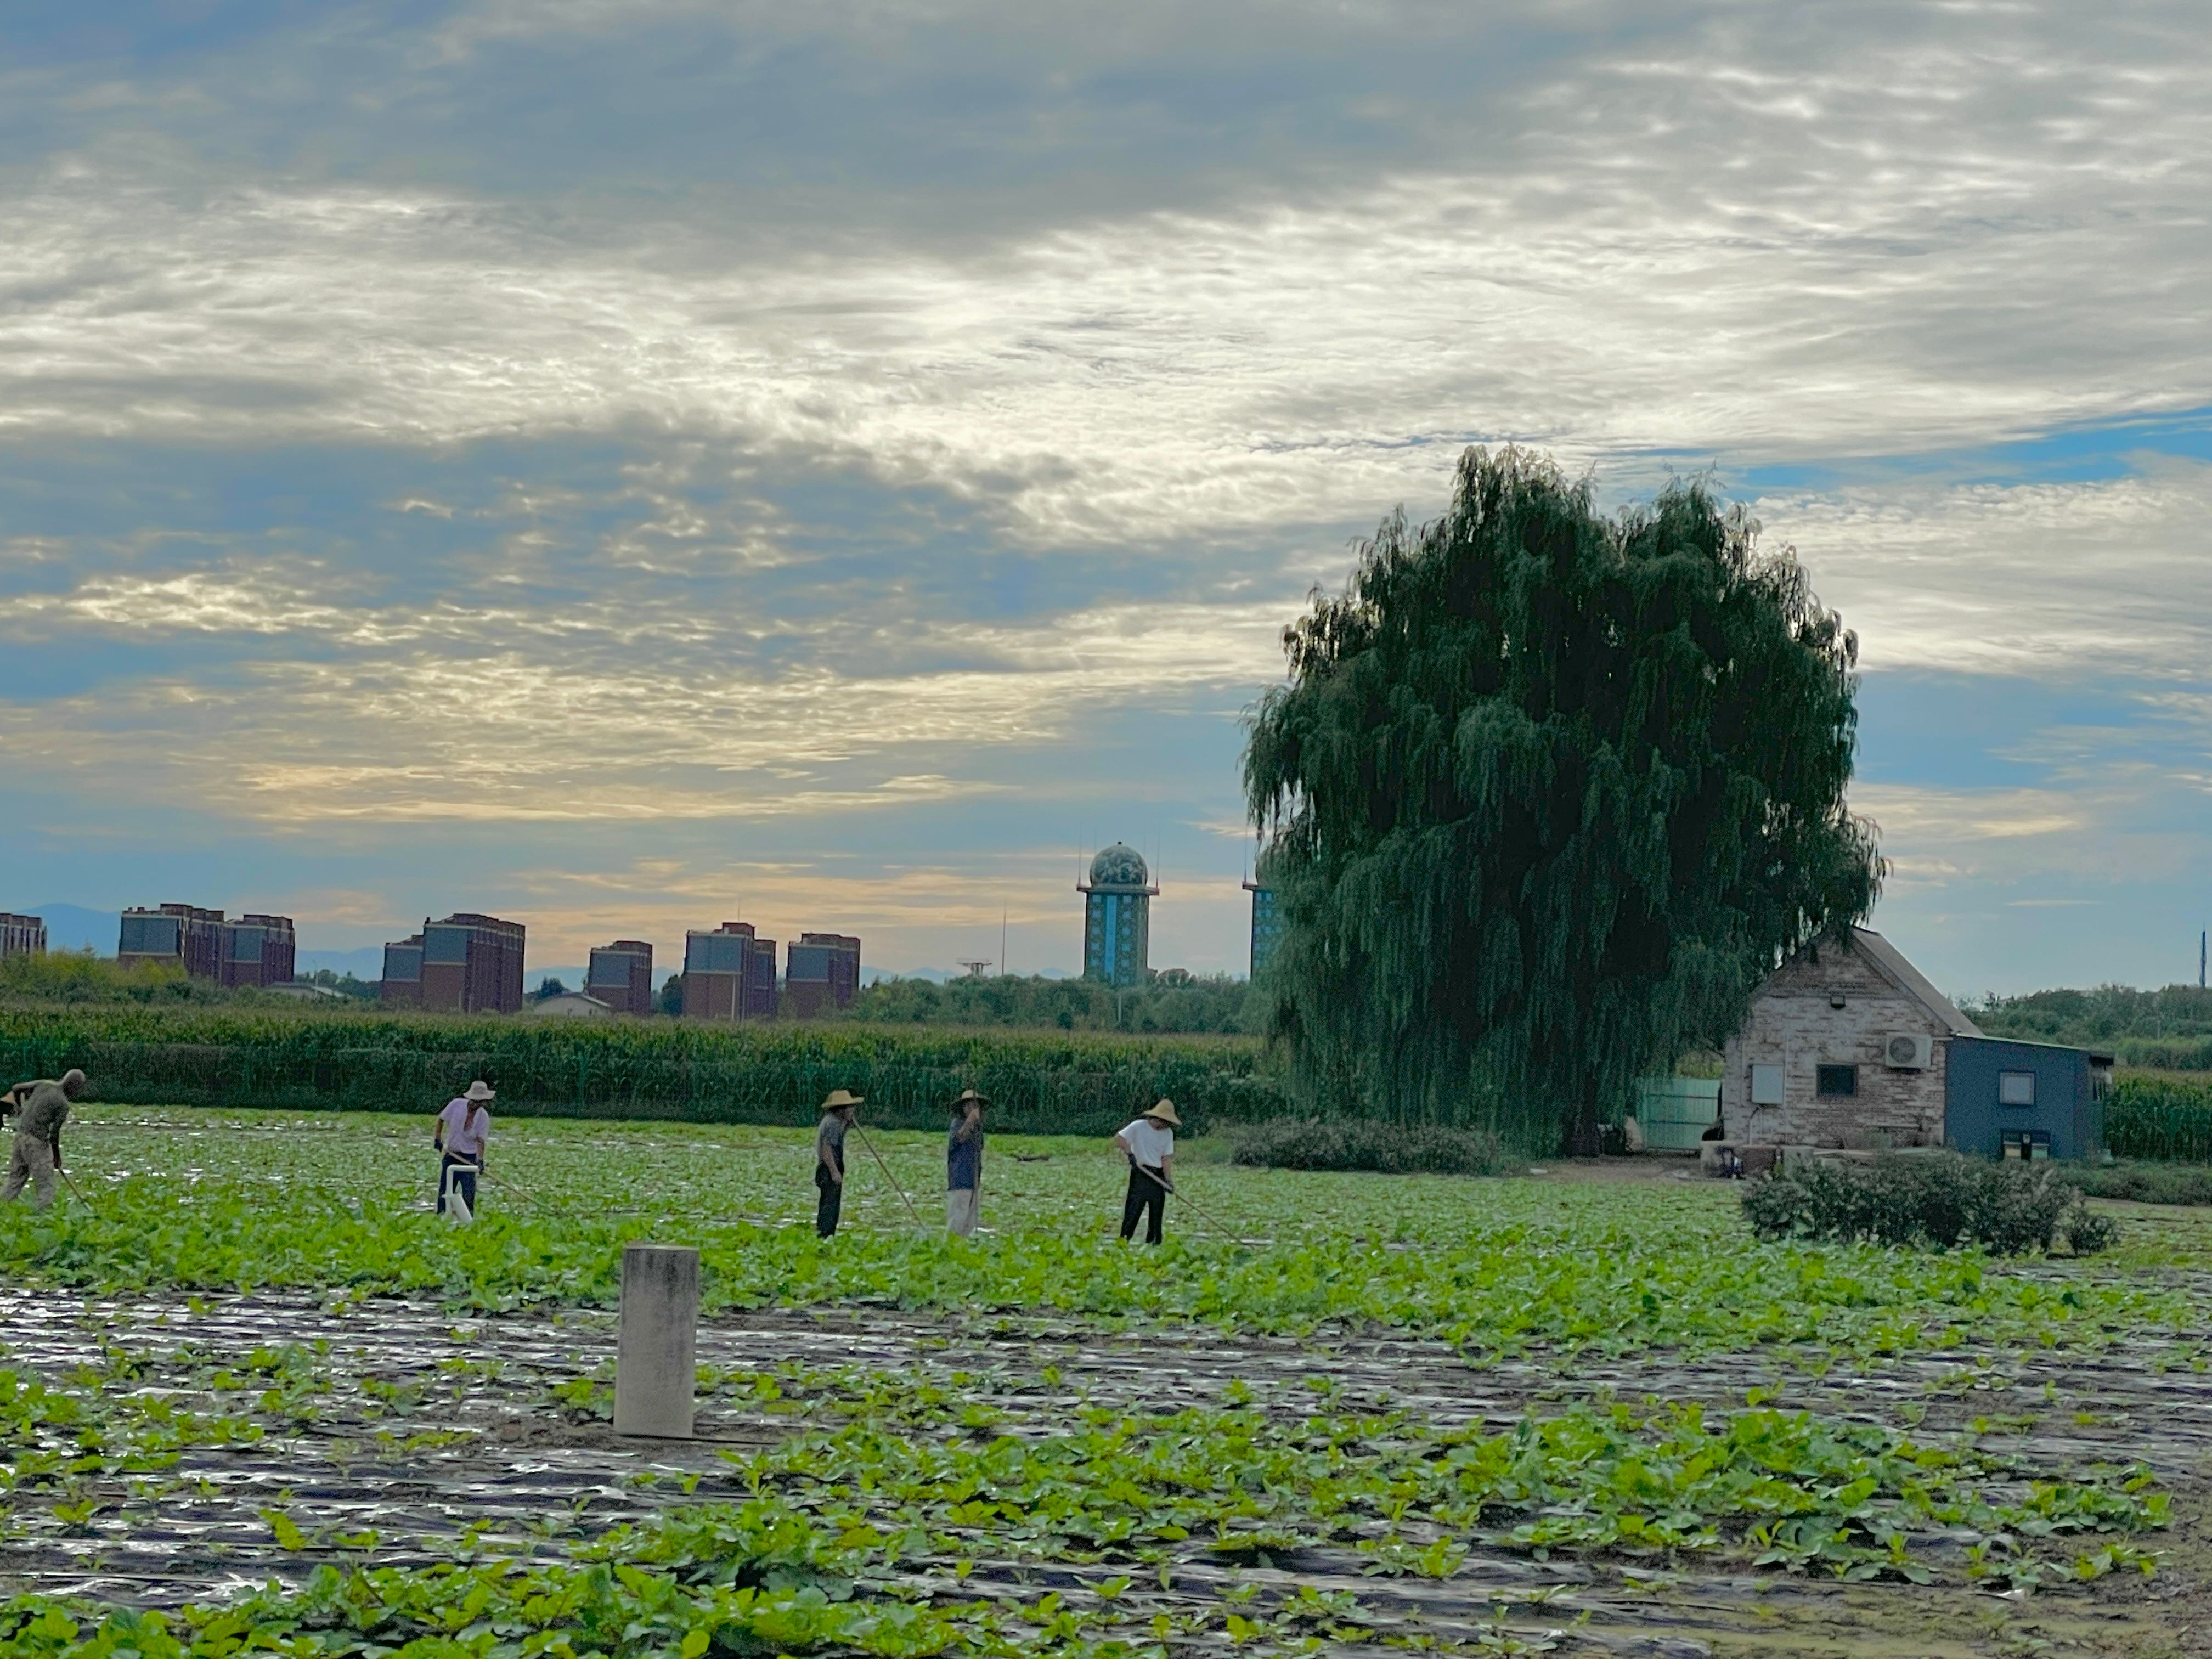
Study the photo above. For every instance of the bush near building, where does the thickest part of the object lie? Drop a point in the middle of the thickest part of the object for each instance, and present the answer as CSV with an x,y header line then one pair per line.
x,y
239,1055
2146,1183
1930,1200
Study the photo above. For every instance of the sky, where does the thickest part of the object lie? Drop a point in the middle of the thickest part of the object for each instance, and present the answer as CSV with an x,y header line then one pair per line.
x,y
628,466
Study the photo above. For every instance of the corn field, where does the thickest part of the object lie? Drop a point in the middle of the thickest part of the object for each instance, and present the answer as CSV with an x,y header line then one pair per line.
x,y
1039,1083
2154,1116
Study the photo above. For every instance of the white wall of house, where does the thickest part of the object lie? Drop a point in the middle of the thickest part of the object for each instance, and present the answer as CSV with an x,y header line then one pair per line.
x,y
1794,1023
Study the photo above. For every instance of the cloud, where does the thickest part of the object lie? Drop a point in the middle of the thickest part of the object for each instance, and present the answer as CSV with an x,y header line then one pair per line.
x,y
567,436
1796,243
2091,578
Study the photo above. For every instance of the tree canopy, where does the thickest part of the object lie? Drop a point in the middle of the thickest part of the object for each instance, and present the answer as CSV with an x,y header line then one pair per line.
x,y
1547,795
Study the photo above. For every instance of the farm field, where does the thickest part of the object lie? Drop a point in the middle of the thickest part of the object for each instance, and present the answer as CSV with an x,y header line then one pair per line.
x,y
1582,1412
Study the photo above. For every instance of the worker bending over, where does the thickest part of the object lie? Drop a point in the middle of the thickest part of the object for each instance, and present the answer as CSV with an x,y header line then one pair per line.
x,y
41,1107
1149,1145
462,1130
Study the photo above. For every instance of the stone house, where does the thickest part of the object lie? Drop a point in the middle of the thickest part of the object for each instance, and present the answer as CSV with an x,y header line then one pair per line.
x,y
1844,1045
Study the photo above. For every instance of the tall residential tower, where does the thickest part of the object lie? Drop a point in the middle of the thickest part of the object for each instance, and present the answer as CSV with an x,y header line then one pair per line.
x,y
1117,917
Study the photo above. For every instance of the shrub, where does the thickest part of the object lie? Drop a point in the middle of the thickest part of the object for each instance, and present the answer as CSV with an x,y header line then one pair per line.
x,y
2147,1183
2088,1232
79,977
1368,1143
1934,1199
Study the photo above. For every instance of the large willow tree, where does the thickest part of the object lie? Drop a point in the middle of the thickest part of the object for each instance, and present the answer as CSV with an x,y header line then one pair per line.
x,y
1547,794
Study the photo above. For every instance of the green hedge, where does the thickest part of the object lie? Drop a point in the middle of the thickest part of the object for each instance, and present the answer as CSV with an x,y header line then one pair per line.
x,y
1050,1083
2154,1116
1365,1144
1929,1200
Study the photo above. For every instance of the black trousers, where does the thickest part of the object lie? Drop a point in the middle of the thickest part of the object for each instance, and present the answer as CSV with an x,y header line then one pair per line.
x,y
1145,1194
457,1175
828,1207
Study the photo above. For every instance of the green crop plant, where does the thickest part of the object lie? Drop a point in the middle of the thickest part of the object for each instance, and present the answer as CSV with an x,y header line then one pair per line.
x,y
818,1547
912,1509
2151,1115
1499,1269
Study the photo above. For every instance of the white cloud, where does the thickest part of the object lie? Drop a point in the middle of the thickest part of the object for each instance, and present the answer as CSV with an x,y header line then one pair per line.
x,y
1724,248
2103,578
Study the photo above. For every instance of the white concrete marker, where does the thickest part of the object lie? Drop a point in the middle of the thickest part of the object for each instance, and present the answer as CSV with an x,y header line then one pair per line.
x,y
656,1358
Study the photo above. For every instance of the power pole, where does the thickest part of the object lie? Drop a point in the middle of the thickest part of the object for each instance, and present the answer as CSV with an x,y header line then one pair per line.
x,y
2200,940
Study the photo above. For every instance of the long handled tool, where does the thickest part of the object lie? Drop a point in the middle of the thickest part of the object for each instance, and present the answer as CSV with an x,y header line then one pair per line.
x,y
74,1189
889,1176
1177,1192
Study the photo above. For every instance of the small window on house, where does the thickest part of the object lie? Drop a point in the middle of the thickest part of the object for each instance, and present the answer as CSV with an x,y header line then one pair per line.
x,y
2016,1088
1838,1080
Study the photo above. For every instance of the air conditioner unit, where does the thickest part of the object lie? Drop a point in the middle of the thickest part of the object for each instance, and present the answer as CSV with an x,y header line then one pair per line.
x,y
1908,1051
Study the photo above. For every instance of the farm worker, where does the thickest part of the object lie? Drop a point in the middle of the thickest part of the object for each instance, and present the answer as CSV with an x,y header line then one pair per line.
x,y
964,1163
41,1108
837,1113
463,1128
1149,1145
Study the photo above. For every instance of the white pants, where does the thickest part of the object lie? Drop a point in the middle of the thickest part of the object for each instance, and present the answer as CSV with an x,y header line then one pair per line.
x,y
961,1209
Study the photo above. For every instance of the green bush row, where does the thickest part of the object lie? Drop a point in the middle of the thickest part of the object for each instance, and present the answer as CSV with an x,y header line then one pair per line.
x,y
1366,1144
1046,1083
1931,1200
2146,1183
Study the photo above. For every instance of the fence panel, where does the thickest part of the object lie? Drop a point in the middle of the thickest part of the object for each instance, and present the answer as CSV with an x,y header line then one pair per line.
x,y
1674,1112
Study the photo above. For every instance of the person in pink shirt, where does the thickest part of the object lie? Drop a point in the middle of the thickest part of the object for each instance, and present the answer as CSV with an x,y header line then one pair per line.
x,y
463,1128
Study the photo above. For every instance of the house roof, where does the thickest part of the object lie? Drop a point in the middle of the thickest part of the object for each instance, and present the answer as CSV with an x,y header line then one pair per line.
x,y
570,1003
1911,981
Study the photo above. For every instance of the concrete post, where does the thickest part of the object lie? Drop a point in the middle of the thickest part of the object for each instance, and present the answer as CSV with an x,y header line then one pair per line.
x,y
657,1358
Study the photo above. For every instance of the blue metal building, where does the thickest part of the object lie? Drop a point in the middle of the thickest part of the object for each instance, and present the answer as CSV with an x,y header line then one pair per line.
x,y
2004,1098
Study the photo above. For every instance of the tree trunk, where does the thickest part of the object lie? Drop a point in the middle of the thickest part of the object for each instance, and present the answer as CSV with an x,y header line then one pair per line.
x,y
1583,1138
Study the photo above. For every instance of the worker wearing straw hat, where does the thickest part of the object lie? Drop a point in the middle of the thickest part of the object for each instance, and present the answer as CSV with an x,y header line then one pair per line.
x,y
1149,1145
963,1164
462,1131
41,1107
838,1112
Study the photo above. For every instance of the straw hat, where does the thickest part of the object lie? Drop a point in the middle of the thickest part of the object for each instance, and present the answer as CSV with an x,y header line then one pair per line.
x,y
481,1090
839,1098
1166,1113
967,1095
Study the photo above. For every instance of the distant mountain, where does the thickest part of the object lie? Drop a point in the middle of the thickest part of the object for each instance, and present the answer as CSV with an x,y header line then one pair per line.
x,y
73,927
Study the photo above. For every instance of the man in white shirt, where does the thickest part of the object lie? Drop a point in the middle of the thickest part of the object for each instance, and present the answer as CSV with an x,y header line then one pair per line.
x,y
1149,1145
463,1128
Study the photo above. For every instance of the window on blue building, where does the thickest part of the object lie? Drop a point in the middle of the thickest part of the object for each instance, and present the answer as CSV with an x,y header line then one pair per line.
x,y
2016,1088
